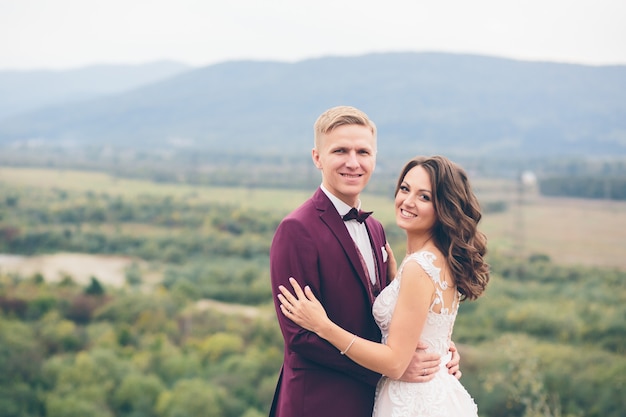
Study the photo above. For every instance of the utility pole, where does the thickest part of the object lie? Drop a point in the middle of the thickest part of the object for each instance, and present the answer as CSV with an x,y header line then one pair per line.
x,y
526,182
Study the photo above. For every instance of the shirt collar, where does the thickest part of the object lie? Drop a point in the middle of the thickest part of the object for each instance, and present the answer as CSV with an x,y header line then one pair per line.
x,y
341,207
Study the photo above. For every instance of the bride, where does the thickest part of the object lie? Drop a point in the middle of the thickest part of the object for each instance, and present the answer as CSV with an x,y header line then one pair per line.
x,y
444,265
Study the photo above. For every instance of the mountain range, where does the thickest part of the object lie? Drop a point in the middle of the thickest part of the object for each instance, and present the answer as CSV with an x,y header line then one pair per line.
x,y
454,104
22,91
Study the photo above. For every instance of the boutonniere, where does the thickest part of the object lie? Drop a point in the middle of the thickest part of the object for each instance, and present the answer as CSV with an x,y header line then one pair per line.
x,y
384,252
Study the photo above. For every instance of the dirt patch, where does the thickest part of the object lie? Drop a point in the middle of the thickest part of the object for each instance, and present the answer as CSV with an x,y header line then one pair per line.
x,y
109,270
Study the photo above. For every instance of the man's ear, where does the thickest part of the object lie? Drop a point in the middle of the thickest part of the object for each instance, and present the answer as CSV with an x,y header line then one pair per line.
x,y
315,155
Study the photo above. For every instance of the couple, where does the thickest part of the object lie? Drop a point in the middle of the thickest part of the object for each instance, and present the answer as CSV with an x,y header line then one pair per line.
x,y
334,358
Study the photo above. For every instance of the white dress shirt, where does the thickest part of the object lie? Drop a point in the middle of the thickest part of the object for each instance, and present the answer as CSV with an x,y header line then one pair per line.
x,y
357,231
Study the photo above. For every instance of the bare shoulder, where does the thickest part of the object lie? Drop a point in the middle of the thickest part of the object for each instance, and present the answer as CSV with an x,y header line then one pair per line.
x,y
416,288
414,276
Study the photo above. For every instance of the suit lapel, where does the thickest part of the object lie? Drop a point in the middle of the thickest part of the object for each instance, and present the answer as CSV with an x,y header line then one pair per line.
x,y
377,244
329,215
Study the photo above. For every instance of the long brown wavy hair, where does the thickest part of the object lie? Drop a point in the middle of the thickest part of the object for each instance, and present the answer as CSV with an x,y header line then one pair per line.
x,y
456,231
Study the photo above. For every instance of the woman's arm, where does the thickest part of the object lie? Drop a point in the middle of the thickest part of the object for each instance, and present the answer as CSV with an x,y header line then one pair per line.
x,y
392,359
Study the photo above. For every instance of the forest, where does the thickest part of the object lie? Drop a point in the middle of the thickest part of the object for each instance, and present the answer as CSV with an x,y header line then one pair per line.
x,y
602,178
191,331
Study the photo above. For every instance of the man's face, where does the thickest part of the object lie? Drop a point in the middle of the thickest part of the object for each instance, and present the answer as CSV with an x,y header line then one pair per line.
x,y
347,157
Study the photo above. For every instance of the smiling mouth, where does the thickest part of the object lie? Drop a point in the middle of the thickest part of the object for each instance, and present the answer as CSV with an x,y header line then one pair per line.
x,y
407,214
352,176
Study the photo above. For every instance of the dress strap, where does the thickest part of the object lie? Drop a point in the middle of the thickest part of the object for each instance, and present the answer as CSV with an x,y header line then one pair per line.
x,y
426,260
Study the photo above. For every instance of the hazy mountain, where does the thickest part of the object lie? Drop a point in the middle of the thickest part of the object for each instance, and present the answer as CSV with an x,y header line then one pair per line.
x,y
22,91
421,102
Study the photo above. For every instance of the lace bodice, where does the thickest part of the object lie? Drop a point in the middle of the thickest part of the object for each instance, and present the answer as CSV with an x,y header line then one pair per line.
x,y
443,396
438,327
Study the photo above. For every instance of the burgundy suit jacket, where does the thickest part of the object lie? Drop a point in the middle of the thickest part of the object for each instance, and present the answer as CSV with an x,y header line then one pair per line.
x,y
313,245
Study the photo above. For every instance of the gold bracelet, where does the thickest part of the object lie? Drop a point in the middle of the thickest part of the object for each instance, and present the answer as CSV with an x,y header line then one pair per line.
x,y
349,346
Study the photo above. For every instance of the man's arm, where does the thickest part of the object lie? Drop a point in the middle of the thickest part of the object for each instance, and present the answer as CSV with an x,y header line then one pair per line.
x,y
424,365
294,254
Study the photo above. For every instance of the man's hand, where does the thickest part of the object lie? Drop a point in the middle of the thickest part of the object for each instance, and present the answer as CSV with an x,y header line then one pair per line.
x,y
423,366
454,364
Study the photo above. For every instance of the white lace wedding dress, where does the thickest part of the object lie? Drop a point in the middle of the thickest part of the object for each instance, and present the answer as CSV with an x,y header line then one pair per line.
x,y
444,396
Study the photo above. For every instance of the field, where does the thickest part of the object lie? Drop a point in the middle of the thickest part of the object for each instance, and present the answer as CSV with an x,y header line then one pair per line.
x,y
569,231
548,336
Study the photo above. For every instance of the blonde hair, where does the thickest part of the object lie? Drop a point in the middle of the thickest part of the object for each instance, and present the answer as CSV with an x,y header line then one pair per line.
x,y
341,116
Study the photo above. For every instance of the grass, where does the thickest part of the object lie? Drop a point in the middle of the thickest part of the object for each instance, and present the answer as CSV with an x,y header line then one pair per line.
x,y
96,182
570,231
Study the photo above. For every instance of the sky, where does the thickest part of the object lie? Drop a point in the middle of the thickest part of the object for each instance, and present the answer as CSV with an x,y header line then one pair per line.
x,y
69,34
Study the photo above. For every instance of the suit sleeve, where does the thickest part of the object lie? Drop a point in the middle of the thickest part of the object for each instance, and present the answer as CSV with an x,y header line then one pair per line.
x,y
294,253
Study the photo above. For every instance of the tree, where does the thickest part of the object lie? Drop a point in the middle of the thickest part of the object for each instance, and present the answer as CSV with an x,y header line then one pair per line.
x,y
191,398
137,394
20,363
94,288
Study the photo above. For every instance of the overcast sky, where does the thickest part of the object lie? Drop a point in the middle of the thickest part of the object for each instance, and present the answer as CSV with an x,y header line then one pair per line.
x,y
63,34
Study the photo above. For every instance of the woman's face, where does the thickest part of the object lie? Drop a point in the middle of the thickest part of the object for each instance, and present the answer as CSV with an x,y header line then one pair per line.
x,y
415,211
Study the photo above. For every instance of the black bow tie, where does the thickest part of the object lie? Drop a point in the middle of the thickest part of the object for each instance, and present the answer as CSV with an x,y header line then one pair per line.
x,y
357,215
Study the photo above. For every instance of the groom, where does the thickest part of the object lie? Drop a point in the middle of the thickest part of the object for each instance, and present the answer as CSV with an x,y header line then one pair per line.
x,y
345,263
